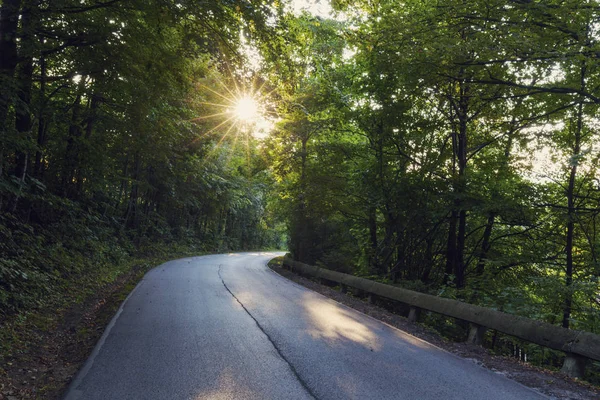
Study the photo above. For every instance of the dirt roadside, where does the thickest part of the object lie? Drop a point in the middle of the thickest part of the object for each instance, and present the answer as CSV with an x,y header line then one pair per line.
x,y
550,383
48,359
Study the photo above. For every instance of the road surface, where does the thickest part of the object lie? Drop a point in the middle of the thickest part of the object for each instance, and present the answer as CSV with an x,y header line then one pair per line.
x,y
227,327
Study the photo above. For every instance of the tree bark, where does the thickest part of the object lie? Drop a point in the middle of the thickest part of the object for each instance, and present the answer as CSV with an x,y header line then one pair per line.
x,y
23,120
485,243
38,169
83,148
463,107
571,209
302,228
373,259
451,247
9,22
132,214
71,160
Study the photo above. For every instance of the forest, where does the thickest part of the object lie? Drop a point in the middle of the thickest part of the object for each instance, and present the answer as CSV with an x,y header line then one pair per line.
x,y
450,147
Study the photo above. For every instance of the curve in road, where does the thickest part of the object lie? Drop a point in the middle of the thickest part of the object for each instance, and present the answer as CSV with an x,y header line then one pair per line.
x,y
227,327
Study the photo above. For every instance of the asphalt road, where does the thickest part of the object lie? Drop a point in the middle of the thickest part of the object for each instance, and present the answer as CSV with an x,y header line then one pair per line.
x,y
227,327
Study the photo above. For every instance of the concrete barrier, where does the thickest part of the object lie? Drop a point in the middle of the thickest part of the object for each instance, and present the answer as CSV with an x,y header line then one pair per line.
x,y
577,345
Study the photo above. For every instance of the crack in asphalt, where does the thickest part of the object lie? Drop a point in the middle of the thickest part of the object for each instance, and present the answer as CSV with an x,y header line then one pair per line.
x,y
292,368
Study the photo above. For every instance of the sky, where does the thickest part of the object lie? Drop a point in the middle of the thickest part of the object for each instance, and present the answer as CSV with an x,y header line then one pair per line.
x,y
320,8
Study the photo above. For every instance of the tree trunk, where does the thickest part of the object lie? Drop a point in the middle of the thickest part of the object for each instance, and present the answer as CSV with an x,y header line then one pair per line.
x,y
132,214
388,245
451,247
124,182
9,21
83,148
92,115
72,151
23,120
455,263
571,209
459,266
302,229
373,259
429,260
38,169
485,243
401,266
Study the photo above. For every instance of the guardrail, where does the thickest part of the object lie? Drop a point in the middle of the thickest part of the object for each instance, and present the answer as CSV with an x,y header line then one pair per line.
x,y
578,345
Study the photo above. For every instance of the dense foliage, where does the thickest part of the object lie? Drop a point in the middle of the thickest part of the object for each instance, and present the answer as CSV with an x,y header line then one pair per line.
x,y
104,152
450,147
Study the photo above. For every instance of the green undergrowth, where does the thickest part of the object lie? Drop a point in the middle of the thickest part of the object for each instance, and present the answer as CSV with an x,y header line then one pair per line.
x,y
276,262
47,271
21,330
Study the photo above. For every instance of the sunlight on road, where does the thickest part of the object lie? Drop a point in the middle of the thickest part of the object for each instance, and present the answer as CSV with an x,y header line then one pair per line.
x,y
228,388
334,323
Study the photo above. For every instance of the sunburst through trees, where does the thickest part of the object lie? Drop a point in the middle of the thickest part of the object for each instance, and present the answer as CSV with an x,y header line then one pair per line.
x,y
233,112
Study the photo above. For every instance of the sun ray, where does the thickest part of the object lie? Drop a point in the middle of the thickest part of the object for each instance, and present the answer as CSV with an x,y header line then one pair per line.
x,y
215,104
226,134
233,147
227,89
213,129
260,88
237,89
218,126
218,144
218,94
248,149
210,116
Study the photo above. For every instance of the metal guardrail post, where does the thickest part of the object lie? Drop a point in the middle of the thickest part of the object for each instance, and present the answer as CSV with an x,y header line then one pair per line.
x,y
476,334
414,314
574,365
371,297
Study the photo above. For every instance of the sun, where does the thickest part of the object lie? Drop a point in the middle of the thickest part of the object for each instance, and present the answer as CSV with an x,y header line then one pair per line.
x,y
246,109
235,109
